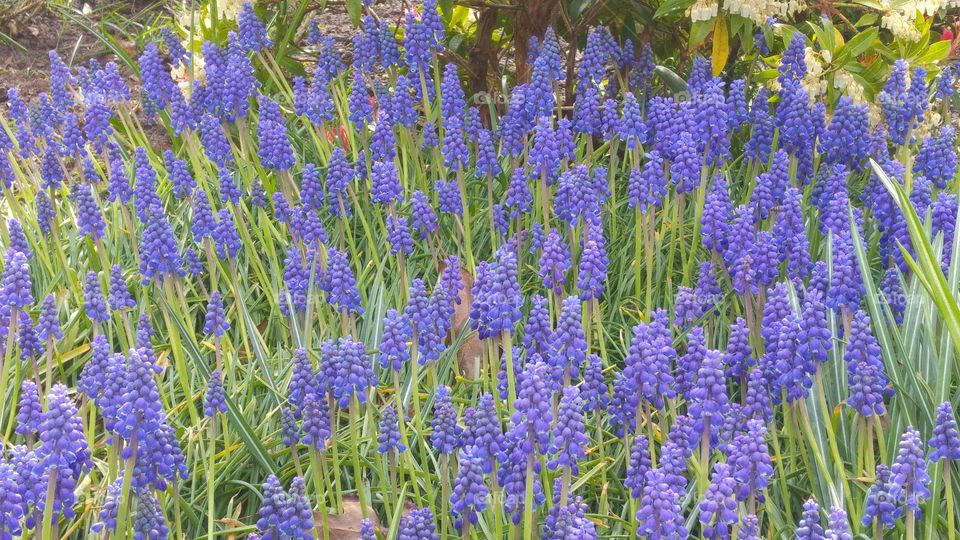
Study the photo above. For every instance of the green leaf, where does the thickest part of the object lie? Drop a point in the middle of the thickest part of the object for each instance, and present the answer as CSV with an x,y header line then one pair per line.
x,y
866,20
577,7
858,44
831,35
629,30
765,75
699,32
672,6
291,30
258,347
671,79
873,307
353,9
737,24
4,38
822,35
250,439
927,264
446,9
102,34
935,53
787,31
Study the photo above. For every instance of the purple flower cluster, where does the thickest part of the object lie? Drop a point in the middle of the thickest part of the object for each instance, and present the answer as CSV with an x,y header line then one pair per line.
x,y
283,514
446,435
400,160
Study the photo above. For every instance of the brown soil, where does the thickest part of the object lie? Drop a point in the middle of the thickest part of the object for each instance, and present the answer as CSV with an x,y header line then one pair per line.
x,y
27,69
41,30
26,65
334,21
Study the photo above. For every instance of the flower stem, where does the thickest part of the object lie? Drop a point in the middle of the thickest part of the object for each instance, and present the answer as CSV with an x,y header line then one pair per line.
x,y
48,525
123,511
319,477
211,476
948,486
908,525
355,451
444,494
511,378
528,500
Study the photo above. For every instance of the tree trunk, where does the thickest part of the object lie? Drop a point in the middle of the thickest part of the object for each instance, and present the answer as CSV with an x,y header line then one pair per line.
x,y
533,18
482,55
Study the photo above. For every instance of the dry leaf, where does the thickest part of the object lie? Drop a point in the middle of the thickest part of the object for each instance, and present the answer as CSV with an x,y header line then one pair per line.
x,y
346,526
461,313
470,355
128,46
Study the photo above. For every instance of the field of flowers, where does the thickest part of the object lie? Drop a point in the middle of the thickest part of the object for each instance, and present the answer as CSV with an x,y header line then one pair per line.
x,y
361,303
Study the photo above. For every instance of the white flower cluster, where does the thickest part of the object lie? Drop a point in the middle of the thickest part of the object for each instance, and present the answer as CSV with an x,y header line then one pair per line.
x,y
874,113
929,126
229,9
703,10
760,10
932,7
929,7
226,9
843,80
899,17
813,82
754,10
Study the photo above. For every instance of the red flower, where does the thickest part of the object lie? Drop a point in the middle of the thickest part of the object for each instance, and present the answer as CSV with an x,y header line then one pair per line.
x,y
951,35
332,135
344,140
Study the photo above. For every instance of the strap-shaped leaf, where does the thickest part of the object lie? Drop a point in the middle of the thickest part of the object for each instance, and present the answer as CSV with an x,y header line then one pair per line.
x,y
234,413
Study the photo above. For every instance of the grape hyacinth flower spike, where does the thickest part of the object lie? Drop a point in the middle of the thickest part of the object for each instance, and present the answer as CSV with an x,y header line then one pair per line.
x,y
94,304
252,33
275,151
909,474
718,509
945,443
120,298
215,322
469,496
880,509
659,515
569,437
215,401
63,455
15,284
389,437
